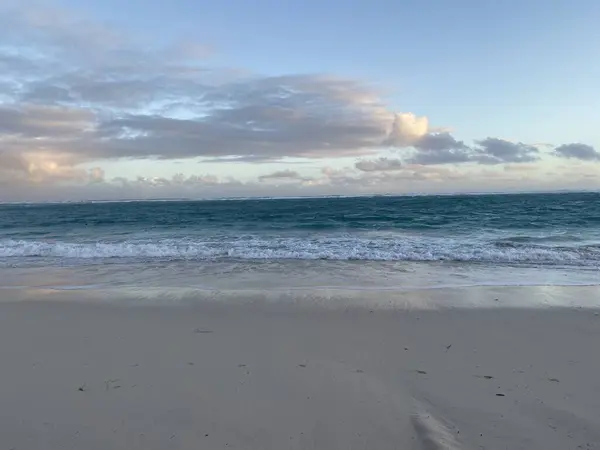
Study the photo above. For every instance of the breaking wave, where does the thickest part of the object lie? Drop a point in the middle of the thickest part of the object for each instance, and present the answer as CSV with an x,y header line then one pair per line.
x,y
305,248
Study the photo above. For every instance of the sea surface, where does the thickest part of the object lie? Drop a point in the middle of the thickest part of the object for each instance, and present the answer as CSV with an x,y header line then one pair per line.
x,y
276,245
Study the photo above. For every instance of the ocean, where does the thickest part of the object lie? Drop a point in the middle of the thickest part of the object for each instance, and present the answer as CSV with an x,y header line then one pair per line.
x,y
266,245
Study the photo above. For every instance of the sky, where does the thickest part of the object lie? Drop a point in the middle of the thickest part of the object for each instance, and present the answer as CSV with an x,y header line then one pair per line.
x,y
238,98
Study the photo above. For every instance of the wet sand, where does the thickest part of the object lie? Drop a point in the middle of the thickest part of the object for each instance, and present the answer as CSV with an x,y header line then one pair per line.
x,y
262,376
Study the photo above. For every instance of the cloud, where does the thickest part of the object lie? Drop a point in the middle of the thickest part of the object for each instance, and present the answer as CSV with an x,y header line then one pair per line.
x,y
76,92
582,152
281,175
96,175
43,168
443,148
413,179
379,165
39,143
406,129
519,167
500,151
176,180
438,142
268,118
32,121
135,101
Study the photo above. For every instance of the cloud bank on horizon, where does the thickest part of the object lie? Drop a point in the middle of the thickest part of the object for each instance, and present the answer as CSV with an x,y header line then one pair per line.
x,y
75,94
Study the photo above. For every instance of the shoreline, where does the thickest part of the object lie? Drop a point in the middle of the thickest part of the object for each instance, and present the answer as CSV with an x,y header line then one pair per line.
x,y
387,299
261,375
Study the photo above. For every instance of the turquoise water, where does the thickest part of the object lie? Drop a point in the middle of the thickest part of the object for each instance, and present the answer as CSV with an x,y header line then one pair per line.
x,y
367,241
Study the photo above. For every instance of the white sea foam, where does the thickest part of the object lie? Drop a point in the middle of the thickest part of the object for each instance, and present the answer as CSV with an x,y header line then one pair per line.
x,y
334,248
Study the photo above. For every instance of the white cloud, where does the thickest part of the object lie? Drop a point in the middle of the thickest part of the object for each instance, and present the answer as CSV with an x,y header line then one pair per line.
x,y
406,129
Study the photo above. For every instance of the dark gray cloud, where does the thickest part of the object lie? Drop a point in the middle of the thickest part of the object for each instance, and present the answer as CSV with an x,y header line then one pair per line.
x,y
379,165
582,152
443,148
439,142
500,151
270,129
440,148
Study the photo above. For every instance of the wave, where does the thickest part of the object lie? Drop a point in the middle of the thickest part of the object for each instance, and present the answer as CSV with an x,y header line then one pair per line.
x,y
328,248
532,240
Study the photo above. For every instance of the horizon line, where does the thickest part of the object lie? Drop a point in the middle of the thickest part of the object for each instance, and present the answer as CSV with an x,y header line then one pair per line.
x,y
291,197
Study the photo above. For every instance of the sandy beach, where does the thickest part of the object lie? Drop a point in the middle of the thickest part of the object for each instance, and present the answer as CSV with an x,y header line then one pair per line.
x,y
259,376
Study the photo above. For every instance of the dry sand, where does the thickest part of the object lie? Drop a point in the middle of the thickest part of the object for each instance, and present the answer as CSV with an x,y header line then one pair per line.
x,y
94,377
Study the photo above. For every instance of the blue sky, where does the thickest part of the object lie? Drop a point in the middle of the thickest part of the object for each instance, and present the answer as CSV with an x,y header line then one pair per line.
x,y
521,73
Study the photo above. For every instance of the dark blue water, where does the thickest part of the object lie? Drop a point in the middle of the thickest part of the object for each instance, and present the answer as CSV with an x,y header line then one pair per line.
x,y
464,234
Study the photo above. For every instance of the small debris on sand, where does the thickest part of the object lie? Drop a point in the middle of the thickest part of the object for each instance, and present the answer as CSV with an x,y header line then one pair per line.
x,y
109,384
